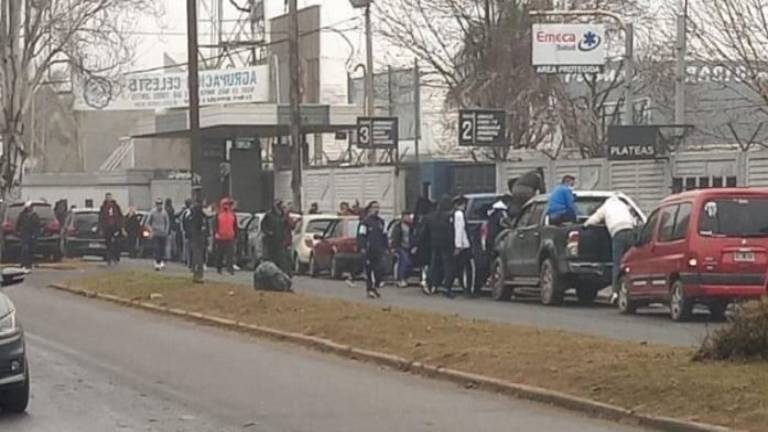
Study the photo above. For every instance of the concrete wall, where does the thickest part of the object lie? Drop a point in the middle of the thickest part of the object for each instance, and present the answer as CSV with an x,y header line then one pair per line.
x,y
129,188
173,154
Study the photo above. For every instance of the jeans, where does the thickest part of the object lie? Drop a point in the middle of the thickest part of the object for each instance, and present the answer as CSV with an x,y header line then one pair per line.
x,y
441,269
225,255
461,262
404,264
374,271
112,241
197,256
158,245
27,257
622,242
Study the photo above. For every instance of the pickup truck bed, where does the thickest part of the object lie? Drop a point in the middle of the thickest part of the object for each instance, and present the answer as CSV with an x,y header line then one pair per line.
x,y
554,259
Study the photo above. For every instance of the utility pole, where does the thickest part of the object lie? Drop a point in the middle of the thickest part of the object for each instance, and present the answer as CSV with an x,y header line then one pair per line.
x,y
369,89
295,127
194,93
680,65
417,105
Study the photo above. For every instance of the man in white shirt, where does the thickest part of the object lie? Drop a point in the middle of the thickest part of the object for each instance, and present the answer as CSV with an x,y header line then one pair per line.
x,y
617,216
462,254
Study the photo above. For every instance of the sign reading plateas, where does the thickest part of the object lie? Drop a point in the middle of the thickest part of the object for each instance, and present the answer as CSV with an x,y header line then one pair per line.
x,y
377,132
568,48
482,128
633,142
152,91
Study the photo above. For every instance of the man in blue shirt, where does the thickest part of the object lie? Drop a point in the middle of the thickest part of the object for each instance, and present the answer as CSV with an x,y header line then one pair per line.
x,y
562,203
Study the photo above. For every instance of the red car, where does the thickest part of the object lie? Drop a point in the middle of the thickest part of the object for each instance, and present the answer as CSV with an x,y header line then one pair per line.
x,y
336,249
705,247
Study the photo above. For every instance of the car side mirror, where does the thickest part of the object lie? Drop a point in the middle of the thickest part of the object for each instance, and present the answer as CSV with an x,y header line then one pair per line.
x,y
12,276
318,237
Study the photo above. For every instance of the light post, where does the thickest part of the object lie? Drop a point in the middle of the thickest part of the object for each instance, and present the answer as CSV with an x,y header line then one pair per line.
x,y
629,48
369,106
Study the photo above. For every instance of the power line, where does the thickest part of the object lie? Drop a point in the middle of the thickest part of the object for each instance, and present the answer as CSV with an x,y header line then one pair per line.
x,y
248,48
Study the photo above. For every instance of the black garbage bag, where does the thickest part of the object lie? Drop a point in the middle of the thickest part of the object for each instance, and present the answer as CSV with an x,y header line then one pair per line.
x,y
269,277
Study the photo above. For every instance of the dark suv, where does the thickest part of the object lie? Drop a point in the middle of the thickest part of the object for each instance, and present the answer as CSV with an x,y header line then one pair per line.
x,y
48,240
81,234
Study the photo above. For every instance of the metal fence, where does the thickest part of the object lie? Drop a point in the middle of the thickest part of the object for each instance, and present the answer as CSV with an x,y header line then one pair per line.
x,y
649,181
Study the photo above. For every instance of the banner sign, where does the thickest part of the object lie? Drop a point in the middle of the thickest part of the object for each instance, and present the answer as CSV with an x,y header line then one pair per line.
x,y
377,132
568,48
170,90
632,142
482,128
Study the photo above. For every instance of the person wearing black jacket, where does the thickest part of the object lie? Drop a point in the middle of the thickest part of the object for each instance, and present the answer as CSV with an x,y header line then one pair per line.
x,y
197,233
372,244
28,228
441,231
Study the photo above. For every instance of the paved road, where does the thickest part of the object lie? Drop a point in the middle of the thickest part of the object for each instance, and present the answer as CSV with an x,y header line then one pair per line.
x,y
100,367
651,325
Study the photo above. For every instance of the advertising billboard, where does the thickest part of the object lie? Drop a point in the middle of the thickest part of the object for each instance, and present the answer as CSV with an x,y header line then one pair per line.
x,y
568,48
151,91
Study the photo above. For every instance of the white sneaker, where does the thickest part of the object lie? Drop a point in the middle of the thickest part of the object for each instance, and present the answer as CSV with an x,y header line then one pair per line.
x,y
236,267
614,298
162,266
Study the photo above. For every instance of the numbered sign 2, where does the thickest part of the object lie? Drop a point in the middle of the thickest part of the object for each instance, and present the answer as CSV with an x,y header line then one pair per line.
x,y
482,128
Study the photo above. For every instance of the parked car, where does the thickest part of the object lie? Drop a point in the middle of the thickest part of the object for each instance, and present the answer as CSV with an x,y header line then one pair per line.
x,y
336,249
14,373
145,234
48,241
304,239
706,247
81,235
241,244
555,259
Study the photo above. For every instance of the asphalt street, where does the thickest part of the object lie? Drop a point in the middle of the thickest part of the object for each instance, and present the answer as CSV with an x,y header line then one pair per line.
x,y
651,325
101,367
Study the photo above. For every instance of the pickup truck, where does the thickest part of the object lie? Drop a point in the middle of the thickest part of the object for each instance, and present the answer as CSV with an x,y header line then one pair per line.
x,y
554,259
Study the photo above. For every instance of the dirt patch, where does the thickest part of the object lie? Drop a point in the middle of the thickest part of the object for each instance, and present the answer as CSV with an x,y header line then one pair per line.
x,y
646,378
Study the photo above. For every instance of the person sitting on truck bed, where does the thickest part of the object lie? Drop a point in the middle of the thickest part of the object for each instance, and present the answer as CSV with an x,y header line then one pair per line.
x,y
523,188
562,203
618,218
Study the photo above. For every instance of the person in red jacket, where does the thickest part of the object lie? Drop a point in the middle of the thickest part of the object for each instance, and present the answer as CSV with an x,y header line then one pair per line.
x,y
225,233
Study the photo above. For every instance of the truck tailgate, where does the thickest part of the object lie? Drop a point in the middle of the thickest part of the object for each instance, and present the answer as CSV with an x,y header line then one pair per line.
x,y
595,244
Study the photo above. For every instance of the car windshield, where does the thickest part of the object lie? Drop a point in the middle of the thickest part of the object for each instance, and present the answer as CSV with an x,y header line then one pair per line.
x,y
478,207
44,212
318,226
587,206
734,217
85,220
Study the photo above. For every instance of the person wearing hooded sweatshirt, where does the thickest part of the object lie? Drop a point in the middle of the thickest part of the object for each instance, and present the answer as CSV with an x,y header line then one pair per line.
x,y
275,229
496,215
440,225
225,232
111,226
28,228
372,244
160,225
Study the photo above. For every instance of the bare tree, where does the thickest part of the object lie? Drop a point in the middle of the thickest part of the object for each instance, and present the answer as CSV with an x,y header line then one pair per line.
x,y
41,38
478,51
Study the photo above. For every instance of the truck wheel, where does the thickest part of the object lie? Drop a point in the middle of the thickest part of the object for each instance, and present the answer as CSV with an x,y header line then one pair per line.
x,y
552,286
586,295
16,400
335,268
680,307
626,305
500,291
298,267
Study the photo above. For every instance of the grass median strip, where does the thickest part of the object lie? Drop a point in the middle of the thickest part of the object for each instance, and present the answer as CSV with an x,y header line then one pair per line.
x,y
646,378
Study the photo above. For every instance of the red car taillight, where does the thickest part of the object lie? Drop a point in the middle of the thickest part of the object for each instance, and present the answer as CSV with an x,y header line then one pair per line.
x,y
53,226
572,247
145,233
8,227
484,235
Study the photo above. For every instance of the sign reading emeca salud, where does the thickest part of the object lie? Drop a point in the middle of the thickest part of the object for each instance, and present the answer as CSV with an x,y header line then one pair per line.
x,y
568,48
170,90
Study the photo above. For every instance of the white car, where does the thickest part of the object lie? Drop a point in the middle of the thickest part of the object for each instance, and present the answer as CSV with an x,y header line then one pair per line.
x,y
304,238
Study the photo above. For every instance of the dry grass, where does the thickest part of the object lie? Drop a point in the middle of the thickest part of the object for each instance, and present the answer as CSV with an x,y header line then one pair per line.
x,y
647,378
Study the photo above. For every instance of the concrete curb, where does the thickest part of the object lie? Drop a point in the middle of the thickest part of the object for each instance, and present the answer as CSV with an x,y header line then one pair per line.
x,y
537,394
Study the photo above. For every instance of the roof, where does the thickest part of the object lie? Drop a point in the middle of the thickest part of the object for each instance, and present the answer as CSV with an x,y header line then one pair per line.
x,y
585,194
717,192
311,217
34,203
85,210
